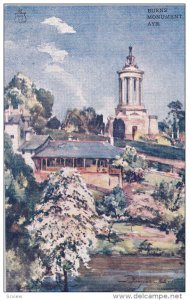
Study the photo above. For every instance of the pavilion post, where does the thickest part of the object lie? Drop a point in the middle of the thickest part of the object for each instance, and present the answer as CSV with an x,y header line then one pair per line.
x,y
108,165
96,164
41,164
84,163
73,162
45,163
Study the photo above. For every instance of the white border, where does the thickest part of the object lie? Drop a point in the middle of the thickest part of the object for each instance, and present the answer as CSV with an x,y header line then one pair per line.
x,y
83,296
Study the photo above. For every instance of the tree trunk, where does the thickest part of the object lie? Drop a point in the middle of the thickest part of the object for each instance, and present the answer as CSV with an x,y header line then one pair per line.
x,y
110,231
65,281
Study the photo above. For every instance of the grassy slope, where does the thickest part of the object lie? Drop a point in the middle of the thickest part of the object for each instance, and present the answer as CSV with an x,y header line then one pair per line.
x,y
131,240
153,179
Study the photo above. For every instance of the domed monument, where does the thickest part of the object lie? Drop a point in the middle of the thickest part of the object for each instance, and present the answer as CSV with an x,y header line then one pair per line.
x,y
130,115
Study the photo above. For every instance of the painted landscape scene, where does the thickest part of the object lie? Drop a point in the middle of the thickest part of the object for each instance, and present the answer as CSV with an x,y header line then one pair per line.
x,y
94,148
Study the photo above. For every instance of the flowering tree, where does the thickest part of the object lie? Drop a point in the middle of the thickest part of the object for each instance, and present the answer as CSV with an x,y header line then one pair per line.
x,y
65,224
131,164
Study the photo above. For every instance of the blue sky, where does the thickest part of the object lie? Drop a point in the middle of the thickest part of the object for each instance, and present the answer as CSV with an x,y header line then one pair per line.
x,y
76,51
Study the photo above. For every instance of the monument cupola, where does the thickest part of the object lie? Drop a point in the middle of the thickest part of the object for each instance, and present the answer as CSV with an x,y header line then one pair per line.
x,y
130,83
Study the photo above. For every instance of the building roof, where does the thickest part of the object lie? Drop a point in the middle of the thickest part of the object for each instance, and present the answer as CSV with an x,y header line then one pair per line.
x,y
14,119
35,142
79,149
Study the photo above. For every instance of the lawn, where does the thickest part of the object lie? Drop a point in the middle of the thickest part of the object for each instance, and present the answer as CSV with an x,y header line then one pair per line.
x,y
96,194
130,239
156,178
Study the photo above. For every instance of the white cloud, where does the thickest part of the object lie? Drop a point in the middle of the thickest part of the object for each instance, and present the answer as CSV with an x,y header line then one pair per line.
x,y
61,26
57,55
10,44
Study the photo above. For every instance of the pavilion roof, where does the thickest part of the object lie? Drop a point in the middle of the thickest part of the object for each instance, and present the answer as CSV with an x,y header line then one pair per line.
x,y
79,149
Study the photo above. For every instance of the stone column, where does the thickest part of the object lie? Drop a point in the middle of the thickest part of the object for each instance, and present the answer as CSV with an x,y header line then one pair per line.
x,y
130,92
137,91
123,91
120,91
127,90
140,91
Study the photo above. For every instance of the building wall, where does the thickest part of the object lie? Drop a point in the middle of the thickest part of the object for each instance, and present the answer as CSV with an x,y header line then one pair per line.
x,y
14,132
153,126
28,159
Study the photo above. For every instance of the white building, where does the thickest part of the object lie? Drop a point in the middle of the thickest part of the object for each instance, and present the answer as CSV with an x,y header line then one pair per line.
x,y
130,114
24,140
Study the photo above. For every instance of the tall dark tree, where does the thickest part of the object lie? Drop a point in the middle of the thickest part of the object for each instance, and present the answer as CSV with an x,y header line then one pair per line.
x,y
47,101
53,123
119,129
176,117
21,194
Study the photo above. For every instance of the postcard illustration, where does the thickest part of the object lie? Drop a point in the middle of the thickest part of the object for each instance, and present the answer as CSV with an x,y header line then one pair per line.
x,y
94,147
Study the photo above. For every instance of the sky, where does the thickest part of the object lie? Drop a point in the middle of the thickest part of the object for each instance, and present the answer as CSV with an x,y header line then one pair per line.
x,y
76,51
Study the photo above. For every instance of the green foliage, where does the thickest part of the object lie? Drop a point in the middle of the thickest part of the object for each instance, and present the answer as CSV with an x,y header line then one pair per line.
x,y
169,195
84,121
119,129
131,164
175,120
53,123
145,246
112,204
181,234
47,101
21,194
158,150
38,102
39,124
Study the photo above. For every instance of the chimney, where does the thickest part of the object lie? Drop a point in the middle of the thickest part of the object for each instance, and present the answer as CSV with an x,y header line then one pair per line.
x,y
6,115
28,135
112,140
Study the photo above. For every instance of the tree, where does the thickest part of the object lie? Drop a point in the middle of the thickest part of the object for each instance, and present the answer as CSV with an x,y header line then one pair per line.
x,y
38,102
47,101
172,196
21,272
131,164
21,194
145,246
180,238
39,123
112,205
53,123
65,224
176,118
119,129
85,120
